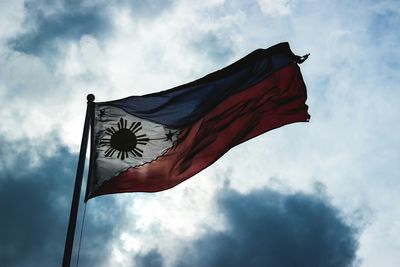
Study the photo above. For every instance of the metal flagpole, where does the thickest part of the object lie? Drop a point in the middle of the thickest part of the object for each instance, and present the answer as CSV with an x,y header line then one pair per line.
x,y
78,184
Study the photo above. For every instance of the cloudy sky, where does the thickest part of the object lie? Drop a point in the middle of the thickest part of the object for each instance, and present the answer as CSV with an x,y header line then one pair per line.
x,y
323,193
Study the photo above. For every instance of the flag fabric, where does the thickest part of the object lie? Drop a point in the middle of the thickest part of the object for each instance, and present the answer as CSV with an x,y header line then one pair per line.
x,y
153,142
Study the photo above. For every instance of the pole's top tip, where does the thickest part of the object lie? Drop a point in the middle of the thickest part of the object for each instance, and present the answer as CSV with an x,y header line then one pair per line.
x,y
90,97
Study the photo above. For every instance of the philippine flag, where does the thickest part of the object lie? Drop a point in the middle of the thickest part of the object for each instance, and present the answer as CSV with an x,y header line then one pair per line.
x,y
153,142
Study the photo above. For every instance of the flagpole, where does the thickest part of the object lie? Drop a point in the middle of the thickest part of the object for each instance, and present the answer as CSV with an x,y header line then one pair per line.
x,y
69,241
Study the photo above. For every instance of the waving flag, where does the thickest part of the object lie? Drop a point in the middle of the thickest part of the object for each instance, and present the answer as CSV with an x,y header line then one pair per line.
x,y
153,142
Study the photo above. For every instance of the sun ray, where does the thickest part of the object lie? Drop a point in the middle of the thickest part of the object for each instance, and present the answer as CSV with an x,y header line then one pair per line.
x,y
132,125
109,131
134,153
137,130
137,151
143,140
135,126
109,151
142,143
105,143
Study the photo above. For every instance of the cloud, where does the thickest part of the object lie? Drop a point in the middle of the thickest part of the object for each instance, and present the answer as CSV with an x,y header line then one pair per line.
x,y
269,228
11,18
276,7
50,23
215,46
150,259
27,75
35,202
148,8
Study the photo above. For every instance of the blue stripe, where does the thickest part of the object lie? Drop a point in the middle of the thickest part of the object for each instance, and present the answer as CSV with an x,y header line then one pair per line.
x,y
185,104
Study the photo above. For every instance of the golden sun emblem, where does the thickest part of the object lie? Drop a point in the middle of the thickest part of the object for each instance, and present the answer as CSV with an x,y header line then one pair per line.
x,y
124,140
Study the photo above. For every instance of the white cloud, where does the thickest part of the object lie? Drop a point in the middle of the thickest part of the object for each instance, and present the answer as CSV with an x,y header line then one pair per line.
x,y
277,7
11,18
26,80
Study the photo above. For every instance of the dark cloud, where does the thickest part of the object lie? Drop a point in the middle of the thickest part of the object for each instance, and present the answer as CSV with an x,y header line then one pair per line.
x,y
214,46
56,24
35,202
267,228
150,259
147,8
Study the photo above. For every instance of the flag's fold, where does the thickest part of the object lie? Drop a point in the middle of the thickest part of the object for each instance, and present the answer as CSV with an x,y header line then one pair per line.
x,y
153,142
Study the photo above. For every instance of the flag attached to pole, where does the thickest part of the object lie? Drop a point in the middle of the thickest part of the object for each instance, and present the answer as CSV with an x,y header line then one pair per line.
x,y
153,142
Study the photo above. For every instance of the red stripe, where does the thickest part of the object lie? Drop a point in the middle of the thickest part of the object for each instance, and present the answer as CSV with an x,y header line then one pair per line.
x,y
272,103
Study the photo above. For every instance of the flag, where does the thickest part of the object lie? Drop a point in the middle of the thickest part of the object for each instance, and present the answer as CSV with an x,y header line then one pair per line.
x,y
153,142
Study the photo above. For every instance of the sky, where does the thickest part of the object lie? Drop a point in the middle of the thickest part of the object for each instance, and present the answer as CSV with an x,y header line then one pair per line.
x,y
322,193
